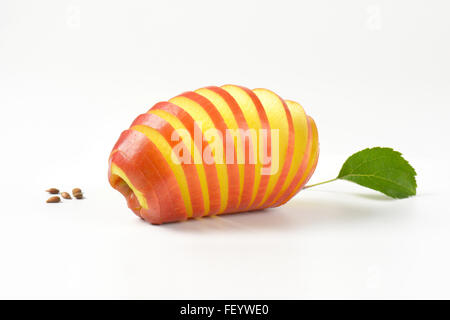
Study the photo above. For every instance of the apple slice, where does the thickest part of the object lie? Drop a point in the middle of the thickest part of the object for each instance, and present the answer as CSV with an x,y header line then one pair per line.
x,y
204,112
280,119
256,118
302,149
158,129
211,174
188,145
241,137
312,161
142,164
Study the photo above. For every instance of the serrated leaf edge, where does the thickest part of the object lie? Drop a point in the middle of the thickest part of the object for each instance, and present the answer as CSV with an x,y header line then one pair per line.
x,y
364,162
411,191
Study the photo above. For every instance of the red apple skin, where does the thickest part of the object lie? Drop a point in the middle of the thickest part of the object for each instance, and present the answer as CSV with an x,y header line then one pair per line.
x,y
190,171
210,169
220,125
146,167
128,161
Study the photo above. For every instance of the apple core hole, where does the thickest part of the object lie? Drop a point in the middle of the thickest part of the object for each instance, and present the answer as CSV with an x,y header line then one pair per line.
x,y
122,186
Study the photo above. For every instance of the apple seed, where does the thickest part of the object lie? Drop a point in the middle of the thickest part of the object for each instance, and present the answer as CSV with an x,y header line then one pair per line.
x,y
54,199
52,191
66,195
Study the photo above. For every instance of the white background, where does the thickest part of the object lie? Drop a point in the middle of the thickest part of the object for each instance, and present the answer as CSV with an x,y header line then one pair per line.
x,y
74,74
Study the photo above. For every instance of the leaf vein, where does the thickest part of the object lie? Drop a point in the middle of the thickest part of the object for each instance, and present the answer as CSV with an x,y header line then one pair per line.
x,y
381,178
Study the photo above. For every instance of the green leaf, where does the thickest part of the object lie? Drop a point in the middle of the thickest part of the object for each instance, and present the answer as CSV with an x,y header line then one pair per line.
x,y
381,169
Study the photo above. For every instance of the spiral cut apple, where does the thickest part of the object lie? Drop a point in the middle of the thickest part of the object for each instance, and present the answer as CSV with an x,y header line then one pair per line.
x,y
212,151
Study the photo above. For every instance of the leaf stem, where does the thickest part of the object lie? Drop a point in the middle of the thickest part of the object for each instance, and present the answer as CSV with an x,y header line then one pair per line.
x,y
318,184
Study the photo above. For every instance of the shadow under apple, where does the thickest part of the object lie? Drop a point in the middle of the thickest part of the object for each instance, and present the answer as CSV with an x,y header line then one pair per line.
x,y
297,214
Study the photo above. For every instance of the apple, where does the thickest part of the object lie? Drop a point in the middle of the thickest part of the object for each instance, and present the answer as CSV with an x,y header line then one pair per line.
x,y
212,151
